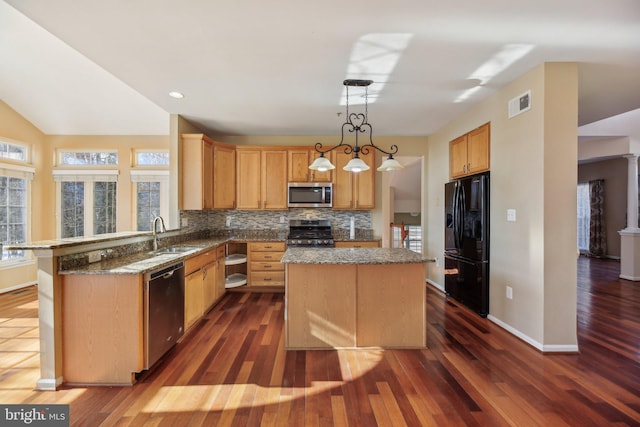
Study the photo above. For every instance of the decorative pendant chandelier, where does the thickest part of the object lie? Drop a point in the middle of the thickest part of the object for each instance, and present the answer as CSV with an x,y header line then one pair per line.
x,y
356,123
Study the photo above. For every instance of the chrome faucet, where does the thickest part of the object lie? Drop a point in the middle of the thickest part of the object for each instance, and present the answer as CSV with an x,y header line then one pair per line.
x,y
154,227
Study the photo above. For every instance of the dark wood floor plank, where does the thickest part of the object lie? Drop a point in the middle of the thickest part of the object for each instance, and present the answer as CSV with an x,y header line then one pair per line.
x,y
232,369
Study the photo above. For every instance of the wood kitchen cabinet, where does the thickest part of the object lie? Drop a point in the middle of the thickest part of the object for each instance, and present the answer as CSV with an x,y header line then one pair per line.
x,y
265,268
224,176
299,160
354,190
208,173
469,153
103,328
203,284
261,177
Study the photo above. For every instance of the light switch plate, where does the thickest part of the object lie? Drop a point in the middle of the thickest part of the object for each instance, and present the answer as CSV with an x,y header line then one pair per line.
x,y
511,215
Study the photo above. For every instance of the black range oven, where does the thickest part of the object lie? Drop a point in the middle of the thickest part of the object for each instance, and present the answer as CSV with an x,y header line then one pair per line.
x,y
310,233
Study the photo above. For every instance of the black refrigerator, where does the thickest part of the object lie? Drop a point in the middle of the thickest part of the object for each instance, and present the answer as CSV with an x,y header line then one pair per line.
x,y
466,237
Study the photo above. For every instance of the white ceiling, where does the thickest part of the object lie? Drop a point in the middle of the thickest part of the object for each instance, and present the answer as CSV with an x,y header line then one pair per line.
x,y
276,68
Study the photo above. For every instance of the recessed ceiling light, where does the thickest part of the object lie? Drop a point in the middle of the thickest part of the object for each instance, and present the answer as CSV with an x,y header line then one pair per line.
x,y
176,95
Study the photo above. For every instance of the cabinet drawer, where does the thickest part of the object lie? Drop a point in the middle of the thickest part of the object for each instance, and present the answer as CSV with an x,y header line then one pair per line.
x,y
196,262
266,266
361,244
267,256
267,278
266,246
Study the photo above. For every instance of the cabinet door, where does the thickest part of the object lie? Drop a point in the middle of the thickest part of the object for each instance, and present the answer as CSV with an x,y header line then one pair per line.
x,y
458,157
298,166
364,191
193,298
224,177
342,182
274,179
354,190
478,150
248,179
209,276
197,163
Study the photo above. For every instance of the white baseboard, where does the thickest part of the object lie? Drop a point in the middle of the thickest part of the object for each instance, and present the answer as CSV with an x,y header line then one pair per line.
x,y
555,348
632,278
48,384
435,285
16,287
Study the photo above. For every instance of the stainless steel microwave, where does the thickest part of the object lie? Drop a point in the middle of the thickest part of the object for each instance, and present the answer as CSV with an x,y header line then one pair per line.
x,y
310,195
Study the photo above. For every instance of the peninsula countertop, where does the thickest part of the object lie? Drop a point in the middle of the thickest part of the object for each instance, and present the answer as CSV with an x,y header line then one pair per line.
x,y
352,256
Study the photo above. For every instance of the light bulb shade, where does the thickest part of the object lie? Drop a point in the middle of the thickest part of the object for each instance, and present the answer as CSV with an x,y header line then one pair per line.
x,y
390,165
356,165
321,164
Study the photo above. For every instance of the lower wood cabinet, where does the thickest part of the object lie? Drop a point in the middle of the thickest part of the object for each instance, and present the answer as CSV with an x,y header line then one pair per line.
x,y
203,284
265,268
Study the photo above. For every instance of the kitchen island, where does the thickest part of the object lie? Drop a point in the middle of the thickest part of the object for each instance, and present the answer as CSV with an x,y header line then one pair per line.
x,y
357,297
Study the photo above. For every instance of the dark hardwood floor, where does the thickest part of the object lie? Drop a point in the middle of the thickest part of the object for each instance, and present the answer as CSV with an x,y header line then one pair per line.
x,y
233,370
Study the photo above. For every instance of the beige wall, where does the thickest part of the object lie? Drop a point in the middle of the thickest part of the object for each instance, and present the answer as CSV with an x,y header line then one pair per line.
x,y
614,173
533,170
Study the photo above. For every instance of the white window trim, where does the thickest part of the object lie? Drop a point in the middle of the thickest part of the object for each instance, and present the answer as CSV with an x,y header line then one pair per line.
x,y
26,147
86,176
90,175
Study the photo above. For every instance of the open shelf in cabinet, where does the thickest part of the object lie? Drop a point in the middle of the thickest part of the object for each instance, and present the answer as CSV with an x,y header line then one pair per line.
x,y
236,265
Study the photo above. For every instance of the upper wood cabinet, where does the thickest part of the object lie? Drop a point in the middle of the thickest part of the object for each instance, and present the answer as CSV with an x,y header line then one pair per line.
x,y
208,173
299,160
224,176
354,190
469,154
261,177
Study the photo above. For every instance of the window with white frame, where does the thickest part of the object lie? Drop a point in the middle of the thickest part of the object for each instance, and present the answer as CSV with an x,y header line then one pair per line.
x,y
584,217
87,202
15,195
151,193
151,158
87,158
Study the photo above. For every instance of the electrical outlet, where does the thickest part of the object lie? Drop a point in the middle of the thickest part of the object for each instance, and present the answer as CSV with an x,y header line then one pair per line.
x,y
185,222
437,260
282,219
228,222
509,292
511,215
95,256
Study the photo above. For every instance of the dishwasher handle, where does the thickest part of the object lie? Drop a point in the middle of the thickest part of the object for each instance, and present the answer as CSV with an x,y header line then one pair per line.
x,y
166,272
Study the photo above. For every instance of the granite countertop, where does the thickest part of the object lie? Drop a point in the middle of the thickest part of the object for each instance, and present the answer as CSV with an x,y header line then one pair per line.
x,y
76,241
351,256
143,262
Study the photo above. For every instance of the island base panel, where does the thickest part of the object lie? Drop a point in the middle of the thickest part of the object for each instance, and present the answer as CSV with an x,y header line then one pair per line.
x,y
391,306
320,302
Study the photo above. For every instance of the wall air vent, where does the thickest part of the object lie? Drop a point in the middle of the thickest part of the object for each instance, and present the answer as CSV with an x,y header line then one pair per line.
x,y
520,104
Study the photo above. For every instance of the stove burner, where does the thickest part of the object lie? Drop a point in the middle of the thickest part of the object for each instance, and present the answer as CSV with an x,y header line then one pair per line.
x,y
310,233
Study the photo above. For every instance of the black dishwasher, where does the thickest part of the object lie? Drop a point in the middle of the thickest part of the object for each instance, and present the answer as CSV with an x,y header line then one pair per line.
x,y
164,311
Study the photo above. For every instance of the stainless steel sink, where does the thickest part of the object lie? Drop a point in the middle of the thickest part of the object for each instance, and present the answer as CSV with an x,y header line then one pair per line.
x,y
175,250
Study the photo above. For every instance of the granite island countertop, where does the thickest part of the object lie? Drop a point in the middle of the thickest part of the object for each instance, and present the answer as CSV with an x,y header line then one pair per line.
x,y
352,256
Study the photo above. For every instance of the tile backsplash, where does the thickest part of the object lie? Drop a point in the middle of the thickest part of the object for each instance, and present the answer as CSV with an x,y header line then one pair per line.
x,y
270,220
